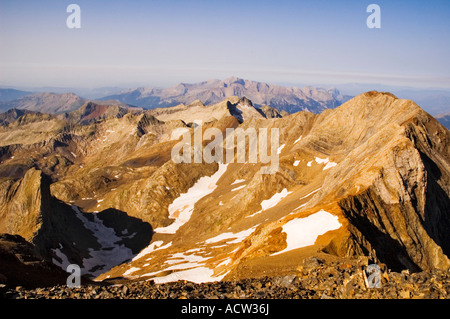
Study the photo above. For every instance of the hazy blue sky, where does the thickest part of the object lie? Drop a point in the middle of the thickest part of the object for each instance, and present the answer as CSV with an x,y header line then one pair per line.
x,y
130,43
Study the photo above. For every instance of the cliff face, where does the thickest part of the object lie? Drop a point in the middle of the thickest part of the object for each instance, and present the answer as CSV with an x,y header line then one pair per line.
x,y
22,203
403,218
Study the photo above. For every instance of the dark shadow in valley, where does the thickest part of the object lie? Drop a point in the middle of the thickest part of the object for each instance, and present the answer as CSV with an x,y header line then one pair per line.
x,y
96,242
134,233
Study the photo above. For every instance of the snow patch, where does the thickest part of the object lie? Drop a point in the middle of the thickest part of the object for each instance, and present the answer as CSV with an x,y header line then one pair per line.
x,y
314,191
302,232
183,259
238,188
156,245
274,200
238,181
321,160
296,162
131,270
271,202
329,165
197,275
326,161
237,237
183,206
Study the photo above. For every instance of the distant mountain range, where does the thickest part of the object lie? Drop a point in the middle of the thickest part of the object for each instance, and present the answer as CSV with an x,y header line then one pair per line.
x,y
290,99
12,94
51,103
265,97
444,119
45,103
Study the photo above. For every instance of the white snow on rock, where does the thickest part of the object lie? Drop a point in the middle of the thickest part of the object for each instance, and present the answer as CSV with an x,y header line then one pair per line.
x,y
197,275
184,261
182,207
238,181
296,162
156,245
238,188
237,237
321,160
314,191
329,165
188,267
302,232
131,270
272,202
326,161
298,140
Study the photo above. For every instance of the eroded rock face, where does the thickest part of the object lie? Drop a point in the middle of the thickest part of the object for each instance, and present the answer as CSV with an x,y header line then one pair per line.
x,y
403,217
22,203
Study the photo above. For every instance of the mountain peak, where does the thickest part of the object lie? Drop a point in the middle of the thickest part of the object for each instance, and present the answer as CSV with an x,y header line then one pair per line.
x,y
234,80
196,103
245,101
376,94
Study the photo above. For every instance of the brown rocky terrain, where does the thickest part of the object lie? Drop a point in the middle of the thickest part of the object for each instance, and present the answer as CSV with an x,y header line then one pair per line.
x,y
315,279
99,189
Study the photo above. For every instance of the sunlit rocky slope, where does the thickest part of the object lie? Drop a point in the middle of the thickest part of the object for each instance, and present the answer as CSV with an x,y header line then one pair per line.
x,y
370,177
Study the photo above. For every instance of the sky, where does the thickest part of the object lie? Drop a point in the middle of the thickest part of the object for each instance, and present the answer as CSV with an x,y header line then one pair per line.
x,y
164,42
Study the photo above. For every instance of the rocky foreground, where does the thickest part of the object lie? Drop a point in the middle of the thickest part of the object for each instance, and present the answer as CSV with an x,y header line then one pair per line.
x,y
315,279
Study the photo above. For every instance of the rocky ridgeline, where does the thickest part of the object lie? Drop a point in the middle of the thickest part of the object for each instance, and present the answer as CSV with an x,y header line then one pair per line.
x,y
315,279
